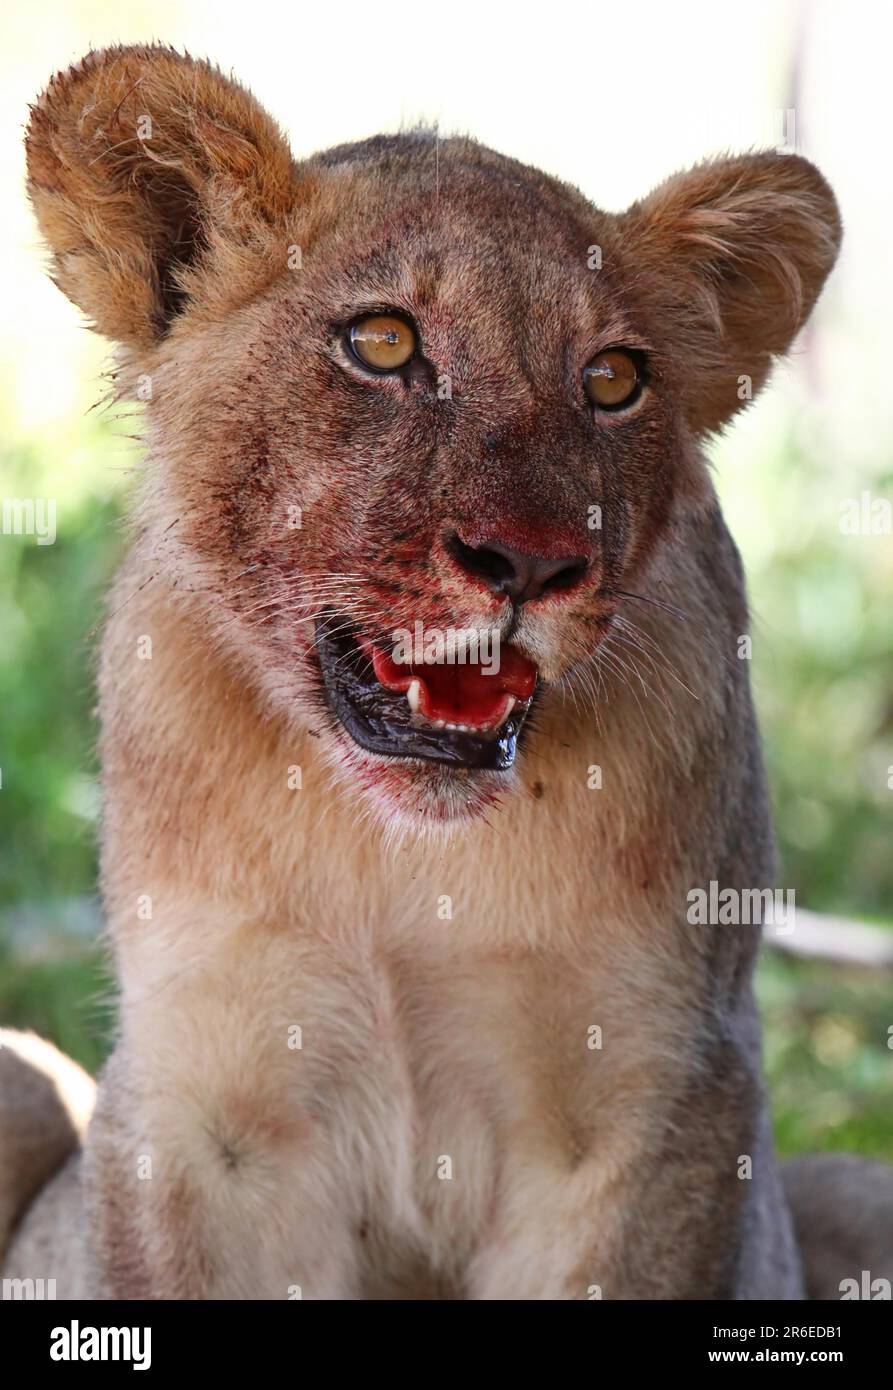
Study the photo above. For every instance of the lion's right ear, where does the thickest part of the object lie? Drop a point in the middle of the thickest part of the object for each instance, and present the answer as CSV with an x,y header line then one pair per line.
x,y
156,182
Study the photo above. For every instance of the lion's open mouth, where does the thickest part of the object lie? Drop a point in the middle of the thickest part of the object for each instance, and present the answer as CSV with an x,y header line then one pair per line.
x,y
456,713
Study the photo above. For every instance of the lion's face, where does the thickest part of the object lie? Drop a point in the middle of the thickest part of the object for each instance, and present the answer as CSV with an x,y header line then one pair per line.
x,y
419,415
472,485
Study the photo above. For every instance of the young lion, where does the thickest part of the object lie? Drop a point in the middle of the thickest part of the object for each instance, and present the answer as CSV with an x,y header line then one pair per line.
x,y
411,998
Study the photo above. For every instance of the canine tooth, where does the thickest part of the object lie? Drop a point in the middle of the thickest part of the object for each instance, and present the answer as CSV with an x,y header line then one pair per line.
x,y
439,724
414,696
508,709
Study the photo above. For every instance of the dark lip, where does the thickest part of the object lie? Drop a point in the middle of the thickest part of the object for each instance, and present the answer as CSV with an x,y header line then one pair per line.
x,y
380,720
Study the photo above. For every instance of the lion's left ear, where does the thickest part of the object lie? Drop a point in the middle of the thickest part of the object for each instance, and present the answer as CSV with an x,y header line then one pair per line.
x,y
732,255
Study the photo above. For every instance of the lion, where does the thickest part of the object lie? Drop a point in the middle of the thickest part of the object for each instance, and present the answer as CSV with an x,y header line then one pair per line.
x,y
411,1001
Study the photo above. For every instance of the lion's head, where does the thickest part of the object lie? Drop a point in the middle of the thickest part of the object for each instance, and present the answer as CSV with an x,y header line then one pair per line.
x,y
409,389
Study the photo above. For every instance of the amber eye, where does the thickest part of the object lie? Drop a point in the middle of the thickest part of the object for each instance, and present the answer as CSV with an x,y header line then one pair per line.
x,y
382,342
612,379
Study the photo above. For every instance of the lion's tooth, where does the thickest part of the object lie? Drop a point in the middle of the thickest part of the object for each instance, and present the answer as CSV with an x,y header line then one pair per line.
x,y
508,709
414,696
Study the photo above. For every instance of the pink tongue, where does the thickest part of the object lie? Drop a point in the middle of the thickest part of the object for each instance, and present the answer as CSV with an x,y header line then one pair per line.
x,y
461,693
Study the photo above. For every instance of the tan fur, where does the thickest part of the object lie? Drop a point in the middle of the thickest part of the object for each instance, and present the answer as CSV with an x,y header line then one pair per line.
x,y
445,1128
45,1103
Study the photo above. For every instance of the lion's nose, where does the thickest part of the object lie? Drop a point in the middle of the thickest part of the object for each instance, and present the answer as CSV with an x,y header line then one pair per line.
x,y
507,571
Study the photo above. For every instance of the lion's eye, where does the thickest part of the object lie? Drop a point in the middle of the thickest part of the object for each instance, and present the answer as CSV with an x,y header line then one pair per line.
x,y
382,342
612,379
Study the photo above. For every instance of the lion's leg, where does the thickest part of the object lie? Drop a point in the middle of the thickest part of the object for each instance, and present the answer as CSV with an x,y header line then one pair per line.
x,y
843,1218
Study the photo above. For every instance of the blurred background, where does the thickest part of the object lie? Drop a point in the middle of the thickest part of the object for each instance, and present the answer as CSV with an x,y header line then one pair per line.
x,y
611,99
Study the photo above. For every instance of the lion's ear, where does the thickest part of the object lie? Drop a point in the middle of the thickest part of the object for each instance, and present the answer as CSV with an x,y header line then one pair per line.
x,y
155,180
733,255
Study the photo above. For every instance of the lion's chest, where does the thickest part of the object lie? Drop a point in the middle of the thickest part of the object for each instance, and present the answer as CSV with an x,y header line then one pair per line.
x,y
382,1098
